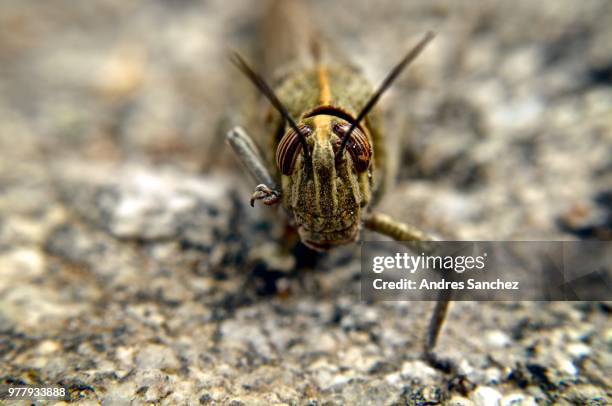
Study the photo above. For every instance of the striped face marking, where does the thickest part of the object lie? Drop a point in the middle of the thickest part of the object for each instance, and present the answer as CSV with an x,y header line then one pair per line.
x,y
323,77
323,121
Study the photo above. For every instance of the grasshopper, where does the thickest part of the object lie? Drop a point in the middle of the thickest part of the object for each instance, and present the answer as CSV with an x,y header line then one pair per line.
x,y
329,163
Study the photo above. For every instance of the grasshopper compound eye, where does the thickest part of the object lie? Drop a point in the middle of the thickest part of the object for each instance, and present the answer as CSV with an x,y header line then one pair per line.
x,y
358,146
289,148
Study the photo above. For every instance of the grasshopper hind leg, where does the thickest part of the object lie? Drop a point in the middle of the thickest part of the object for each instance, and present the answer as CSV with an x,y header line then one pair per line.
x,y
416,239
436,322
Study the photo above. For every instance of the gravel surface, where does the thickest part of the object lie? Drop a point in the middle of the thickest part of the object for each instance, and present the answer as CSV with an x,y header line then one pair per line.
x,y
132,269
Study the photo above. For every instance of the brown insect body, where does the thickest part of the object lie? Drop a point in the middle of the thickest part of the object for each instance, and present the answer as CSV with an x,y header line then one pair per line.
x,y
327,197
327,146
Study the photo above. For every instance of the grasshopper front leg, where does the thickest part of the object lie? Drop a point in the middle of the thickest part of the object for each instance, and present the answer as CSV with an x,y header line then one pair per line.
x,y
416,239
249,155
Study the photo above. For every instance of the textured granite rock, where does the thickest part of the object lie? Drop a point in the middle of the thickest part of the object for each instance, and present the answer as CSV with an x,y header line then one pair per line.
x,y
132,269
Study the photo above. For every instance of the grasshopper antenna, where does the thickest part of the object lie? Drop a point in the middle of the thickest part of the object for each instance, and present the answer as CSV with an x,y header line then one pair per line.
x,y
414,52
261,84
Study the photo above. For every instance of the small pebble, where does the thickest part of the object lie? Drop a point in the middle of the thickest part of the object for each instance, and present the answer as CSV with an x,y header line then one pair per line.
x,y
465,368
486,396
417,370
567,366
394,378
156,357
497,338
608,336
492,375
578,350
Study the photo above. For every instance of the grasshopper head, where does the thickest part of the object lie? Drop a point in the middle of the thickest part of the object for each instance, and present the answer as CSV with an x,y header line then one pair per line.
x,y
326,193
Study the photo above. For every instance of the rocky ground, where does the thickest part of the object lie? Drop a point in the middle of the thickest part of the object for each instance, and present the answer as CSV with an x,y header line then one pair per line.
x,y
134,271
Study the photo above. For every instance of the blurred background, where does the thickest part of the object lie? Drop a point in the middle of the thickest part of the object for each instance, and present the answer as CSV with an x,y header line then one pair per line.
x,y
132,268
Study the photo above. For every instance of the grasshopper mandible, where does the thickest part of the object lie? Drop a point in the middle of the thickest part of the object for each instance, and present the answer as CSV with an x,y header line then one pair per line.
x,y
329,159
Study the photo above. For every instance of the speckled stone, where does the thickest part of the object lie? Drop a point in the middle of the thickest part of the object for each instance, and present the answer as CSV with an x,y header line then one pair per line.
x,y
133,271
